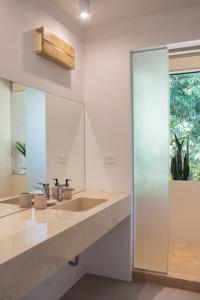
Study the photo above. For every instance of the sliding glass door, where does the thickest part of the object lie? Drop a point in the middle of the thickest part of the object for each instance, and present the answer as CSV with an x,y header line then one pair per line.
x,y
150,152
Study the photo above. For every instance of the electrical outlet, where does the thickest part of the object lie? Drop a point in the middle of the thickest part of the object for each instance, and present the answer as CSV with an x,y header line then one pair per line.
x,y
62,159
110,159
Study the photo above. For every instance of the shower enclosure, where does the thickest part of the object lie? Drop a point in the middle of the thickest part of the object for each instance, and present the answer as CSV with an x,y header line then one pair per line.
x,y
151,158
166,213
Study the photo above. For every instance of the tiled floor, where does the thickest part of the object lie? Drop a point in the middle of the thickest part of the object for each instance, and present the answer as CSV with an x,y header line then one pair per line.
x,y
184,261
92,287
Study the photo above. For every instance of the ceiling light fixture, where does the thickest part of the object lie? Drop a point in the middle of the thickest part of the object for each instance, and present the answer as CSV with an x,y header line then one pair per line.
x,y
84,9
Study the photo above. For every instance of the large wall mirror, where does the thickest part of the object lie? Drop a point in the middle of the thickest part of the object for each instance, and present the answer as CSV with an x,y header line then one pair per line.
x,y
42,138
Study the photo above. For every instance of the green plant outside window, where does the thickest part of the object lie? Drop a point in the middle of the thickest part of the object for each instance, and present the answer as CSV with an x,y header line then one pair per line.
x,y
185,122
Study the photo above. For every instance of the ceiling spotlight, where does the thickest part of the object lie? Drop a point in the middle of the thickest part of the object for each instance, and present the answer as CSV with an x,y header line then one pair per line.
x,y
84,9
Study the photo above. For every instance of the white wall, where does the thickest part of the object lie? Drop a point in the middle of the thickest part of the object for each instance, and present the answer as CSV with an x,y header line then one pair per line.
x,y
18,61
65,135
185,212
110,256
107,88
5,138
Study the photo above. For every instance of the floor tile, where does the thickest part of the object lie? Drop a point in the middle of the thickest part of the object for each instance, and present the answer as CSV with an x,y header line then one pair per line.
x,y
92,287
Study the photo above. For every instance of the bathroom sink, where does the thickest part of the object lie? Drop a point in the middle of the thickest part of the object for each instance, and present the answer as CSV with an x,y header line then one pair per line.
x,y
80,204
11,201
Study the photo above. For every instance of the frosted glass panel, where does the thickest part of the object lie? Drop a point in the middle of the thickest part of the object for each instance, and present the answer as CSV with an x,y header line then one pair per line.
x,y
151,137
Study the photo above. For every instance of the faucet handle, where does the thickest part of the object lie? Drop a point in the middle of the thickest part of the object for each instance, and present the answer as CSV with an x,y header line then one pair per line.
x,y
45,187
67,182
56,181
43,184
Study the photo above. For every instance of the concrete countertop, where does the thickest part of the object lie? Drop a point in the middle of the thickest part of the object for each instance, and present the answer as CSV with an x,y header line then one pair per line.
x,y
46,239
36,243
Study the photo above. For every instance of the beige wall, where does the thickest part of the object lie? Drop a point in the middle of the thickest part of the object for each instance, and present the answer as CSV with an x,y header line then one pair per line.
x,y
185,212
107,88
18,184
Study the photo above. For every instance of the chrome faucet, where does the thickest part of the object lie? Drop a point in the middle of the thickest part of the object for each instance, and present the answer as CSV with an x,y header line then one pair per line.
x,y
60,192
44,187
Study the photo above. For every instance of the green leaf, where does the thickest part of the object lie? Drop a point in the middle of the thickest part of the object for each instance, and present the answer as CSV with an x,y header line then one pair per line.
x,y
21,147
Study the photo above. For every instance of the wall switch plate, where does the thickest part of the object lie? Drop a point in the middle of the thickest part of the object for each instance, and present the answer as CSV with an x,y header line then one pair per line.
x,y
110,159
62,159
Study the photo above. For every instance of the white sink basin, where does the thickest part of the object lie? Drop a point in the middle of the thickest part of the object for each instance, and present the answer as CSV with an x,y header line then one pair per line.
x,y
80,204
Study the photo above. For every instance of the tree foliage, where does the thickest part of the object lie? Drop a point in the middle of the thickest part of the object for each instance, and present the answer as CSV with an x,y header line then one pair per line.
x,y
185,115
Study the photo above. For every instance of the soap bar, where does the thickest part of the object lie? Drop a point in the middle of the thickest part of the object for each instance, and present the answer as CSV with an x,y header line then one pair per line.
x,y
51,202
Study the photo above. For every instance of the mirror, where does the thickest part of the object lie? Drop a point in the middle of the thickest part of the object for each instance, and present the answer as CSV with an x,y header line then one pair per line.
x,y
42,138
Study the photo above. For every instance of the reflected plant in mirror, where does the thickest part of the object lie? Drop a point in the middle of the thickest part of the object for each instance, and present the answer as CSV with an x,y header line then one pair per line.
x,y
21,147
42,137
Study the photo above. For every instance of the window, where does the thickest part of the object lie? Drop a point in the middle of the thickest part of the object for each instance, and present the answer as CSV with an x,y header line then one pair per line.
x,y
185,120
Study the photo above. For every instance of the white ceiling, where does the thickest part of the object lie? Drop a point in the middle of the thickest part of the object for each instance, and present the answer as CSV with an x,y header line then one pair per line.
x,y
107,11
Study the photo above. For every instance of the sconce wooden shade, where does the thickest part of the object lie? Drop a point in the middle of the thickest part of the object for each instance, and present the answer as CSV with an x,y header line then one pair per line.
x,y
53,48
16,87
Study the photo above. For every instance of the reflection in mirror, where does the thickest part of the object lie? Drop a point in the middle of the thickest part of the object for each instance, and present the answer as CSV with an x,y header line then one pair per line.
x,y
42,138
65,141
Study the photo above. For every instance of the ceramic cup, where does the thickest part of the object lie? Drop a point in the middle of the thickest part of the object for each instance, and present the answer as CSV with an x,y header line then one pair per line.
x,y
25,200
67,193
40,201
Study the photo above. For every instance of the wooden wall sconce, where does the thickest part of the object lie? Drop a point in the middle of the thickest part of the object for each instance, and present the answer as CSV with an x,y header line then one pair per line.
x,y
16,87
53,48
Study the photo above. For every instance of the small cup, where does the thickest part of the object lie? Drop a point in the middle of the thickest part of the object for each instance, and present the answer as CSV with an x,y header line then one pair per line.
x,y
67,193
40,201
25,200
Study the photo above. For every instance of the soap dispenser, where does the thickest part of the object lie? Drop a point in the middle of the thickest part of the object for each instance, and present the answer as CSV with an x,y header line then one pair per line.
x,y
55,191
67,190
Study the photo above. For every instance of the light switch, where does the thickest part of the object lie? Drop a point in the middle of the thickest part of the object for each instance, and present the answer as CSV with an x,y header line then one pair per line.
x,y
62,159
110,159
